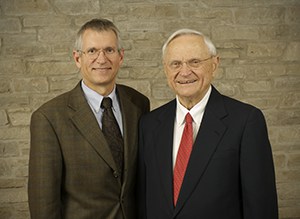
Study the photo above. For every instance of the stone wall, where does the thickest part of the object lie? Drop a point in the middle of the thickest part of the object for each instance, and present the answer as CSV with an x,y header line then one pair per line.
x,y
259,45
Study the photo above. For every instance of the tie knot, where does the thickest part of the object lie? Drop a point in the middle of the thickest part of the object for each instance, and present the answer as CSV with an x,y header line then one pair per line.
x,y
188,118
106,103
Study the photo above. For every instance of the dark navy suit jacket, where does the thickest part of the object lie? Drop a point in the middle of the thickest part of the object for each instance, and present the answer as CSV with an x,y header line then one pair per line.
x,y
230,174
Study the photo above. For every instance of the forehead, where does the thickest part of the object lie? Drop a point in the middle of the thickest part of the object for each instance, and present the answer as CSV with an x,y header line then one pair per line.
x,y
187,46
99,39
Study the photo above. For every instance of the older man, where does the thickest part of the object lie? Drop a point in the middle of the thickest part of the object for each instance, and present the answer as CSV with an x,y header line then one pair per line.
x,y
203,155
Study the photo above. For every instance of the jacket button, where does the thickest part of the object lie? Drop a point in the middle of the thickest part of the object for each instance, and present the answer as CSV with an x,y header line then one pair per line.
x,y
116,174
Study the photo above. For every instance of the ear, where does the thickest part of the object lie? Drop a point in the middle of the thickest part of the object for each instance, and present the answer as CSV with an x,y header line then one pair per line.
x,y
77,58
216,62
121,53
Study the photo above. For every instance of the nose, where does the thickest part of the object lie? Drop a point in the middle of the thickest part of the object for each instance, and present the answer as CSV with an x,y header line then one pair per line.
x,y
185,69
101,58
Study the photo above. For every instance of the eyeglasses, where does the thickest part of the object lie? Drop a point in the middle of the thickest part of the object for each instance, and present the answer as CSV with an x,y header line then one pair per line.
x,y
192,63
94,53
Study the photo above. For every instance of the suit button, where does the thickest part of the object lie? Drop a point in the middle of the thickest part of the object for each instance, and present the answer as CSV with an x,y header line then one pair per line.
x,y
116,174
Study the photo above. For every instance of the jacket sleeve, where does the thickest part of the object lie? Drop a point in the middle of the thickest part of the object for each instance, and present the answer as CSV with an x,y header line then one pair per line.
x,y
257,170
45,170
141,187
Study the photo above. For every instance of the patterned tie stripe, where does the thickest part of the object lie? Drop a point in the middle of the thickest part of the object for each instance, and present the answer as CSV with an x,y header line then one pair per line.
x,y
112,133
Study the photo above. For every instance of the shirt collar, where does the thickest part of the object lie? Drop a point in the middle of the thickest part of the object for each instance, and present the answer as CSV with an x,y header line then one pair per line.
x,y
196,111
95,99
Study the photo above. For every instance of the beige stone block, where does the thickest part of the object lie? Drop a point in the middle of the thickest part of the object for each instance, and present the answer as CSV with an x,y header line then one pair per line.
x,y
10,25
18,39
283,117
224,15
30,85
263,15
19,8
146,73
288,191
292,52
288,176
262,85
3,118
161,91
141,85
5,169
63,83
280,160
50,35
13,195
290,212
9,149
150,10
77,7
286,83
5,86
10,67
235,32
27,50
229,88
6,183
294,161
44,20
289,134
19,117
293,15
290,100
12,100
14,133
267,49
61,68
21,167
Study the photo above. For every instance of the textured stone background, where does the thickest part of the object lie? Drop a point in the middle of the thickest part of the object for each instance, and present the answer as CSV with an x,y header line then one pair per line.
x,y
259,45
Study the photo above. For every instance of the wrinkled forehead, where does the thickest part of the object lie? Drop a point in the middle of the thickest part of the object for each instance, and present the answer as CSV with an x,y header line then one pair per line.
x,y
186,47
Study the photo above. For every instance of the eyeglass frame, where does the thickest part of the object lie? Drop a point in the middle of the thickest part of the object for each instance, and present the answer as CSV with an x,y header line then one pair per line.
x,y
188,63
97,52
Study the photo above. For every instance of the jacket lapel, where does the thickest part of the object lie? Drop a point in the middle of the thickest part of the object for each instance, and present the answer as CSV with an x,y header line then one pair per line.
x,y
208,137
84,119
163,150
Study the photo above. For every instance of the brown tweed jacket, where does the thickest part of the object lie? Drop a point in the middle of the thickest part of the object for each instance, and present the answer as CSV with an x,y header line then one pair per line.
x,y
72,173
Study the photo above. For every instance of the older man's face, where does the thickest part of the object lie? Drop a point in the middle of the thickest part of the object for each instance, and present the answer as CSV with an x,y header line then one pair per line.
x,y
189,68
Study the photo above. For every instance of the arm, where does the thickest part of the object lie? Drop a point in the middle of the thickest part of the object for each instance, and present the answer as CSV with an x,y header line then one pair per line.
x,y
257,170
45,170
141,181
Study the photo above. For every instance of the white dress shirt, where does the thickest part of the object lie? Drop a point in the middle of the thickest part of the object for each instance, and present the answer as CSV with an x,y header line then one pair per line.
x,y
197,114
94,100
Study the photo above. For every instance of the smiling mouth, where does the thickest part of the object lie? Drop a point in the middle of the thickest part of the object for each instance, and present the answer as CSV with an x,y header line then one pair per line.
x,y
186,82
102,69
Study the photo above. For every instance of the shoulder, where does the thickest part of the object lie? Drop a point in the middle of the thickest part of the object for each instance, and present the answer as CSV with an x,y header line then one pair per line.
x,y
217,99
130,91
162,113
59,103
234,109
135,96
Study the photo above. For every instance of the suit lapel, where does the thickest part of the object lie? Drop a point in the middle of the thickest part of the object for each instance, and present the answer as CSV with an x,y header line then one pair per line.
x,y
208,137
163,150
84,119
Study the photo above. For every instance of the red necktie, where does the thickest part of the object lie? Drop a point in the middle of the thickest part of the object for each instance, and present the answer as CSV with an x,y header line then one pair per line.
x,y
183,156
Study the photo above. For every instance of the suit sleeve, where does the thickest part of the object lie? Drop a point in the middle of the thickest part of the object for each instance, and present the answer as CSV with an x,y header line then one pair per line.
x,y
257,170
141,179
45,170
